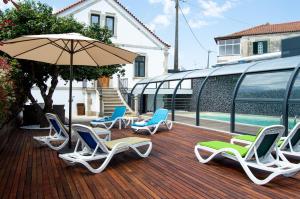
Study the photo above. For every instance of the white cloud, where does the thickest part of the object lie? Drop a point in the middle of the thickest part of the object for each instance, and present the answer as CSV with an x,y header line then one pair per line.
x,y
197,23
186,10
164,18
213,9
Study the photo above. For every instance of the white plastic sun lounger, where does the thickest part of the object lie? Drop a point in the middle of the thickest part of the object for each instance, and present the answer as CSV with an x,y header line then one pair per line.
x,y
93,148
109,122
258,155
289,145
160,117
57,134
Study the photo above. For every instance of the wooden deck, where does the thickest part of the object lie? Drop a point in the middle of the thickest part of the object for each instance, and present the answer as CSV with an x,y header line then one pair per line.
x,y
171,171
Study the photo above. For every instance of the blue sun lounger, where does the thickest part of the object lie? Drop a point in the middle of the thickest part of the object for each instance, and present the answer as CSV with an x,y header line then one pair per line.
x,y
109,122
151,125
58,135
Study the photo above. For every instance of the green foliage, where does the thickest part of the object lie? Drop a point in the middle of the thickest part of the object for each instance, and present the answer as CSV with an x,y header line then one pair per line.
x,y
36,18
9,93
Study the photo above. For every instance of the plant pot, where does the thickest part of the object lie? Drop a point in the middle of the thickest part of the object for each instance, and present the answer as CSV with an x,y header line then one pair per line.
x,y
104,82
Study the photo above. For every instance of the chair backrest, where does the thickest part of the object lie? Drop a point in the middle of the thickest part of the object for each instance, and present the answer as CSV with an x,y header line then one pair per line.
x,y
56,124
294,136
118,112
159,115
265,142
89,138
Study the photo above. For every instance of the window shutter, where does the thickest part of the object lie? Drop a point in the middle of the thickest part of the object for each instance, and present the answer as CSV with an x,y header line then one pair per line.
x,y
255,50
265,45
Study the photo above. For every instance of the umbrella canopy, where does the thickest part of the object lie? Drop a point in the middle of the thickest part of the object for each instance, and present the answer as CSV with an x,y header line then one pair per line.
x,y
66,49
56,49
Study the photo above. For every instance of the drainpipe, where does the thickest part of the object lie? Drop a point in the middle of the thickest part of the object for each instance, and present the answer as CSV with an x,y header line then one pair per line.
x,y
136,104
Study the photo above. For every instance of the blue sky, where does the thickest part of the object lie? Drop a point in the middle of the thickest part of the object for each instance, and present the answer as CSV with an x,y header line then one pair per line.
x,y
208,18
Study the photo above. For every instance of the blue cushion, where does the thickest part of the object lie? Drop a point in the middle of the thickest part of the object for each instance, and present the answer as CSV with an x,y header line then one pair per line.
x,y
88,139
56,126
158,116
118,112
104,119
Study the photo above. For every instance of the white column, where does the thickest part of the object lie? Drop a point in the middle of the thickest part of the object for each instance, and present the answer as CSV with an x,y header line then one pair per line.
x,y
166,58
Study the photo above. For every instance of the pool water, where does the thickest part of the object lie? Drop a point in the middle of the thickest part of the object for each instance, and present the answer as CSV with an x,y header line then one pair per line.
x,y
256,120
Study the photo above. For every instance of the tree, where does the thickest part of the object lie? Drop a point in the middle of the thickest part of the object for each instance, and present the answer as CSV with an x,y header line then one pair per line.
x,y
33,18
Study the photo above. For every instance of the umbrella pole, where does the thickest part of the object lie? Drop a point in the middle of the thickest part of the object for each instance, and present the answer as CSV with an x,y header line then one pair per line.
x,y
70,94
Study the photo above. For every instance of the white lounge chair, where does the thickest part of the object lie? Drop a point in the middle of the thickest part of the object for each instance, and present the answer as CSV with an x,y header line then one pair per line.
x,y
58,133
160,117
109,122
258,155
289,145
93,148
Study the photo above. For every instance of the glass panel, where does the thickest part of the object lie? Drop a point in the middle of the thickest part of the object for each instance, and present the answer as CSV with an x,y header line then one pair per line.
x,y
232,69
236,49
294,114
139,66
95,19
250,117
236,41
229,41
229,50
221,50
264,85
276,64
295,93
178,76
221,42
216,102
109,23
200,73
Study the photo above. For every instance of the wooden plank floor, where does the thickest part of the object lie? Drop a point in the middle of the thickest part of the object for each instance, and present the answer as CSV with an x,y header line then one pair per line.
x,y
171,171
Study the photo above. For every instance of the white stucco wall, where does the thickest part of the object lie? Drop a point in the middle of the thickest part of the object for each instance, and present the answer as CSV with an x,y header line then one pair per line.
x,y
129,34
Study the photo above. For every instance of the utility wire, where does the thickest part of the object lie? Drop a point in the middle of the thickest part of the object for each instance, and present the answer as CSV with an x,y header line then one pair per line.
x,y
194,35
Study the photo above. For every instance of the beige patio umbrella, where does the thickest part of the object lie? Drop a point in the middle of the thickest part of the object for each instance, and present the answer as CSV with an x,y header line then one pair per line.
x,y
69,49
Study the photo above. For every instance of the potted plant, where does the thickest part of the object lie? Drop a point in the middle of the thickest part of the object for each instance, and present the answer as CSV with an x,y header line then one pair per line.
x,y
107,72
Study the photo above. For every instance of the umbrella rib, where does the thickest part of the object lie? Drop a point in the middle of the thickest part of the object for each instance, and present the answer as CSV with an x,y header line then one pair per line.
x,y
14,42
59,46
110,52
84,48
66,46
61,53
33,49
89,55
75,46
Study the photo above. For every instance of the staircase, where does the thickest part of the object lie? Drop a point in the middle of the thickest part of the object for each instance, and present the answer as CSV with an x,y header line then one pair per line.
x,y
111,99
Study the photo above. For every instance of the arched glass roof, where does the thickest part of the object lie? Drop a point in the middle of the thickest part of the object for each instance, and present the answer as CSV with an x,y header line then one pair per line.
x,y
265,65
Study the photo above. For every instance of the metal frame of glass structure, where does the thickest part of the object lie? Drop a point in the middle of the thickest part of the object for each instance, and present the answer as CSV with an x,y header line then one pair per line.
x,y
253,68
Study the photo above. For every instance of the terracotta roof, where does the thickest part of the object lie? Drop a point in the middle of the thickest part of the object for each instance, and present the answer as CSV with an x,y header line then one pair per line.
x,y
264,29
130,13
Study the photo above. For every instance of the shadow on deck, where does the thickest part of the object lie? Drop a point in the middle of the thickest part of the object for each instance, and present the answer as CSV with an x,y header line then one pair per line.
x,y
171,171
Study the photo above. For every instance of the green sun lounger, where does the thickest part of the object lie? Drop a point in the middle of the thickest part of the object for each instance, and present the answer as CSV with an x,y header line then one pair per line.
x,y
258,155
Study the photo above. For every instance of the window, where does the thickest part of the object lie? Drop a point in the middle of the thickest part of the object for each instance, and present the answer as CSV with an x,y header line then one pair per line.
x,y
110,24
95,19
139,66
260,47
229,47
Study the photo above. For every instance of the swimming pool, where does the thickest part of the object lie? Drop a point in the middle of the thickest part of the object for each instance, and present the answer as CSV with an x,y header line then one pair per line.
x,y
256,120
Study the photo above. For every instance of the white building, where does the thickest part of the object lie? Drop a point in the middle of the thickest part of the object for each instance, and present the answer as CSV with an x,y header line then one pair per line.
x,y
257,42
128,33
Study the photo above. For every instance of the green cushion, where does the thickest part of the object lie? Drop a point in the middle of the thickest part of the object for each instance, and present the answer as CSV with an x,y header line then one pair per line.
x,y
249,138
221,145
252,138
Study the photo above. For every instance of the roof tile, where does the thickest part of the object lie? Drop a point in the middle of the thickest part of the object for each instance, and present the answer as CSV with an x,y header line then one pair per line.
x,y
264,29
